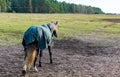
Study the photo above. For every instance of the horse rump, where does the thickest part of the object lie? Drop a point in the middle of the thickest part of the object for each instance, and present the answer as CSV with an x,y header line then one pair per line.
x,y
29,57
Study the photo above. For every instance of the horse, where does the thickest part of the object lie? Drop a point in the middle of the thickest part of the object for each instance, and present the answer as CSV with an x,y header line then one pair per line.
x,y
35,40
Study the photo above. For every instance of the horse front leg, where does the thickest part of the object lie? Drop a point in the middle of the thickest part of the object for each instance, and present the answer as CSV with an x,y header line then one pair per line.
x,y
40,56
50,54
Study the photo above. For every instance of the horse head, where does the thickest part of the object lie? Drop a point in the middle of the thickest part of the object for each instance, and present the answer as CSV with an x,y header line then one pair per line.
x,y
54,26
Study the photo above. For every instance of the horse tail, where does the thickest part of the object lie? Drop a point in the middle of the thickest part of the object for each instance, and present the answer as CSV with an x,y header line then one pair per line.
x,y
31,54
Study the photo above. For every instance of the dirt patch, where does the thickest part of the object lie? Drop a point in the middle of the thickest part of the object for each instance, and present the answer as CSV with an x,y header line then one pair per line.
x,y
71,58
112,20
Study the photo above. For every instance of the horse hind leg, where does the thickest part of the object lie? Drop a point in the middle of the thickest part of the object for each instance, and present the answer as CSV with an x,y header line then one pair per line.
x,y
25,66
24,69
35,68
29,59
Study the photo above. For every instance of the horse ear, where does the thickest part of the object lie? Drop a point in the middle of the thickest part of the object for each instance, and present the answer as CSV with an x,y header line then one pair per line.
x,y
56,22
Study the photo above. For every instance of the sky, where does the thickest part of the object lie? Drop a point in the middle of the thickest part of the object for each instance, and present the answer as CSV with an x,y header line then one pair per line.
x,y
107,6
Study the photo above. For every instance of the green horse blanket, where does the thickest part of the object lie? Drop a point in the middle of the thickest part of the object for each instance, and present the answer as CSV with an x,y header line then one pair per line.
x,y
42,34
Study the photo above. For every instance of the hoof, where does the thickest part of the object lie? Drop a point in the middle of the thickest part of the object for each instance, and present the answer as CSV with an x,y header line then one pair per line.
x,y
51,62
39,65
23,72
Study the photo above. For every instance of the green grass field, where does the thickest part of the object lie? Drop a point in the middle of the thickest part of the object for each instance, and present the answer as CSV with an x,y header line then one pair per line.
x,y
12,26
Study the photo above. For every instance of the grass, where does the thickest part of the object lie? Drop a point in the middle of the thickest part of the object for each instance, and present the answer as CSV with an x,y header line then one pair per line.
x,y
12,26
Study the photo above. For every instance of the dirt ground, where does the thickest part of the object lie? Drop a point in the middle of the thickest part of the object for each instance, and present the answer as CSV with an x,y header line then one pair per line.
x,y
114,20
71,58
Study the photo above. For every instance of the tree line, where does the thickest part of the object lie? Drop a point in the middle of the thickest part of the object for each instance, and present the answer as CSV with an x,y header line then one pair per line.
x,y
46,6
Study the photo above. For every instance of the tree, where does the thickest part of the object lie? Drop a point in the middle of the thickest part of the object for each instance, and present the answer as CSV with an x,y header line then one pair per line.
x,y
3,5
30,4
8,5
46,6
90,10
97,10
